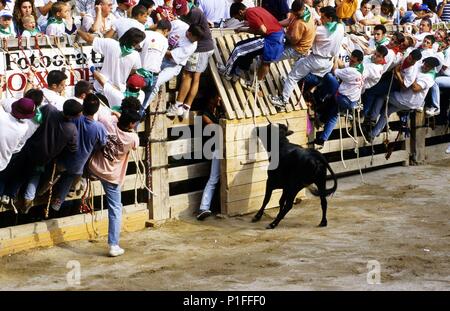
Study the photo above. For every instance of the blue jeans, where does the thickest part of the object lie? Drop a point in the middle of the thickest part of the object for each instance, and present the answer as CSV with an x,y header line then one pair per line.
x,y
114,204
33,183
64,184
151,83
435,96
326,85
211,185
342,104
393,106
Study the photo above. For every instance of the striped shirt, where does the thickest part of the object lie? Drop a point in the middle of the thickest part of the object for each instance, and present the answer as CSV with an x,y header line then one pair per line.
x,y
445,17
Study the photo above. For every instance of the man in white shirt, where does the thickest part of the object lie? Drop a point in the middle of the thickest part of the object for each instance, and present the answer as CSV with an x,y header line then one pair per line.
x,y
215,11
120,58
53,93
101,20
138,19
348,94
411,98
425,29
327,44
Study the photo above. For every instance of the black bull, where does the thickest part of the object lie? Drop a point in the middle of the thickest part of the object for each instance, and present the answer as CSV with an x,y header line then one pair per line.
x,y
298,168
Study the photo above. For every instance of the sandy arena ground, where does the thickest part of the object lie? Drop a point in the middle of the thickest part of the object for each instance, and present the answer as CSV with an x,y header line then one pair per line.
x,y
400,217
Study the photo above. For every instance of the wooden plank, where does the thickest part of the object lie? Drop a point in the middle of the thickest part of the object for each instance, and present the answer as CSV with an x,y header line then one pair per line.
x,y
243,192
182,146
248,176
189,171
262,120
52,232
285,69
278,68
229,112
177,122
244,105
185,204
160,205
252,204
436,152
439,130
227,84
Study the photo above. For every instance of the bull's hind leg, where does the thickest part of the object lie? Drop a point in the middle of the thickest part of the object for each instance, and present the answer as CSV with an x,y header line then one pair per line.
x,y
266,200
289,201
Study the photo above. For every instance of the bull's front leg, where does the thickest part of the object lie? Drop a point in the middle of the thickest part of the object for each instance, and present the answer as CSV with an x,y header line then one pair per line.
x,y
266,200
289,202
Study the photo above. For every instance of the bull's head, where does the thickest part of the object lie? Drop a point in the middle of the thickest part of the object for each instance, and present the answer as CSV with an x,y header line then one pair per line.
x,y
267,134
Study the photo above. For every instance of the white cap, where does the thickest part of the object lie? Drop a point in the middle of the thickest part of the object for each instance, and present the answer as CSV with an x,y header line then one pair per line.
x,y
5,13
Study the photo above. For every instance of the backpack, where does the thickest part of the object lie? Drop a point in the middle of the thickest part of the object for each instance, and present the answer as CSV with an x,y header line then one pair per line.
x,y
346,9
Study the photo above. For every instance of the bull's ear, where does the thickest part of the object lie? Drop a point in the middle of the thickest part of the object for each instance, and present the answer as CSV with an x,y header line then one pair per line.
x,y
289,132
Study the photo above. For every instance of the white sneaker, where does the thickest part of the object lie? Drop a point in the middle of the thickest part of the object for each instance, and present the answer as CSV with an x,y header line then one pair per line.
x,y
432,111
115,250
5,200
172,111
221,69
183,111
448,150
420,109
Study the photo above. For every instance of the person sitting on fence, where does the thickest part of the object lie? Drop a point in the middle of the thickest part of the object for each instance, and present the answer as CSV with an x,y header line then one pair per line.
x,y
210,115
182,44
327,44
154,49
196,64
300,31
347,95
138,19
120,58
110,165
364,15
270,45
55,24
91,136
23,8
103,19
425,29
411,98
29,26
6,25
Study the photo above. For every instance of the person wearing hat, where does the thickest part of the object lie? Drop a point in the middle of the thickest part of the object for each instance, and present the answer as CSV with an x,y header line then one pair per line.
x,y
413,97
6,24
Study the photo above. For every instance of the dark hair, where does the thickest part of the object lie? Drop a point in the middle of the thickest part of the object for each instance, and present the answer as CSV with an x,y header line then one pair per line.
x,y
388,5
235,8
197,31
431,38
102,98
127,117
138,10
132,37
164,24
382,50
428,21
35,95
363,3
90,105
57,7
399,36
130,104
82,87
17,14
72,108
317,2
147,3
432,62
329,12
380,27
55,77
358,54
416,54
297,5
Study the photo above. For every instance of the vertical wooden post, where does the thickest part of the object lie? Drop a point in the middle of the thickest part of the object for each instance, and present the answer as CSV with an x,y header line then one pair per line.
x,y
223,171
159,204
418,135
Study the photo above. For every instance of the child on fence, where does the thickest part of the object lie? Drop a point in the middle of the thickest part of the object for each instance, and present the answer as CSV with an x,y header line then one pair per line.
x,y
55,24
110,165
6,25
29,25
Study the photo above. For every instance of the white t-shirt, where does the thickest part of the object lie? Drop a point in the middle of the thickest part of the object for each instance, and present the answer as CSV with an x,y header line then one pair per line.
x,y
116,96
11,31
89,20
181,47
122,25
390,60
55,29
446,61
372,73
51,97
359,15
214,10
154,48
412,99
42,19
372,45
352,82
328,44
115,68
419,38
410,74
119,13
11,135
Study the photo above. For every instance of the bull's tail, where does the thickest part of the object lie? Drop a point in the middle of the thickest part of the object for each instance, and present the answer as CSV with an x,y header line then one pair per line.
x,y
327,192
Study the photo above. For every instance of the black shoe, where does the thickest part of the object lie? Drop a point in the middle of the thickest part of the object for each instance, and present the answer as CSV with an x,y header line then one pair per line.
x,y
319,142
203,214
